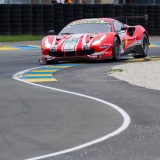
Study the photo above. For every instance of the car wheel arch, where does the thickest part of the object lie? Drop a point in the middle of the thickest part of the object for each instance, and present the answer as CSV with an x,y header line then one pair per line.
x,y
118,38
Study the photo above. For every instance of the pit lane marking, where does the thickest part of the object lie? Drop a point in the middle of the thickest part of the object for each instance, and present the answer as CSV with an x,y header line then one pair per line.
x,y
123,127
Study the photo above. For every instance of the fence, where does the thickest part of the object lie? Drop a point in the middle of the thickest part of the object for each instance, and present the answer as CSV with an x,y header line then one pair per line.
x,y
38,19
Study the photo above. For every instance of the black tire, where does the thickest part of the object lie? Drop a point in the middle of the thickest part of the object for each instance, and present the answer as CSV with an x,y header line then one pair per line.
x,y
87,15
27,10
5,16
5,6
37,6
26,15
15,25
38,20
5,20
3,25
48,7
49,11
68,14
87,6
67,10
15,6
143,51
27,20
16,16
4,11
5,33
15,20
15,11
108,6
115,49
6,29
58,14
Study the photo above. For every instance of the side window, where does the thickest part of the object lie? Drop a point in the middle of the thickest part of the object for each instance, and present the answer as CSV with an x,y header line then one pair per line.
x,y
117,26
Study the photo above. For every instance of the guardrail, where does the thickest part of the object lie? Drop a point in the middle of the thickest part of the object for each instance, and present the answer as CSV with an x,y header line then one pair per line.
x,y
38,19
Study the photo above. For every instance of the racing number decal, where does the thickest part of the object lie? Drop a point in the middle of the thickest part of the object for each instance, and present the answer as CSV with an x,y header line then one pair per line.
x,y
70,44
71,41
122,47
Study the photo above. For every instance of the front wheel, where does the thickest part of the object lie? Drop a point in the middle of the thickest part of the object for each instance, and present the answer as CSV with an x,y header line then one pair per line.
x,y
143,51
115,49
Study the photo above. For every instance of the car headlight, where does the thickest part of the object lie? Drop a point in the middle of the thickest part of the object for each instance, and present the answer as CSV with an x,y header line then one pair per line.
x,y
47,44
98,40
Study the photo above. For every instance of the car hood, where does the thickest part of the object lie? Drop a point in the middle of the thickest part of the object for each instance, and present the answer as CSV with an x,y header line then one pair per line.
x,y
72,42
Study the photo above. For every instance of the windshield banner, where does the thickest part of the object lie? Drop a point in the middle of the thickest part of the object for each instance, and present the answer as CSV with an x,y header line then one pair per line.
x,y
89,21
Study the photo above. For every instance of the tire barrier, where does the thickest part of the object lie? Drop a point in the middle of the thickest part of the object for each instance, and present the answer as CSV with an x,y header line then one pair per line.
x,y
118,10
68,13
48,18
77,11
5,19
15,20
38,19
58,17
151,22
109,10
87,11
98,11
157,19
128,10
143,11
26,12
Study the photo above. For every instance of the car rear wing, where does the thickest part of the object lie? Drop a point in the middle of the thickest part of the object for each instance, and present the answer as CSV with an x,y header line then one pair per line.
x,y
132,17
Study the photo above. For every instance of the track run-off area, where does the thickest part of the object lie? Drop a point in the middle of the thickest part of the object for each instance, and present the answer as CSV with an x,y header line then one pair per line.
x,y
74,110
126,118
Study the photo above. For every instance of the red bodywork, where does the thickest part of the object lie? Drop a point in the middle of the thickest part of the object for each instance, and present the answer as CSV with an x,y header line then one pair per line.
x,y
82,46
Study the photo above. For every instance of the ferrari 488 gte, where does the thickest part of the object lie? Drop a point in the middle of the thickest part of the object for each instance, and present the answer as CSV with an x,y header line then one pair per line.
x,y
102,38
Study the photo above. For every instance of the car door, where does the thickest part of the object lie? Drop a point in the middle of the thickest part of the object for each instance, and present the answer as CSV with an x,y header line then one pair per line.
x,y
126,39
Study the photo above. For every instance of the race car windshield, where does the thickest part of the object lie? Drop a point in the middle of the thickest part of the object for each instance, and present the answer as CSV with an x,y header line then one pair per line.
x,y
86,28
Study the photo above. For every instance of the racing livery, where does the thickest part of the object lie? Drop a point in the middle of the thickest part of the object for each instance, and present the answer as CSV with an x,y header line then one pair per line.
x,y
102,38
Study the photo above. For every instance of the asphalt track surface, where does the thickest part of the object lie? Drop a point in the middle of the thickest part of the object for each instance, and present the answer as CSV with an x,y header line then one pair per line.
x,y
36,121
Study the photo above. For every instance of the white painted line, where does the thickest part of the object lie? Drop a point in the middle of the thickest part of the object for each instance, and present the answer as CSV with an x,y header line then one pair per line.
x,y
125,124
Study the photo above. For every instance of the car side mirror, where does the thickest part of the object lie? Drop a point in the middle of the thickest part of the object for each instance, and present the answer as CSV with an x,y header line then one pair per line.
x,y
52,32
124,28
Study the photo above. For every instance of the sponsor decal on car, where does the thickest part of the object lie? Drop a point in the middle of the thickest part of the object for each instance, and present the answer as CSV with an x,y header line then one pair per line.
x,y
70,44
71,41
89,21
122,47
138,42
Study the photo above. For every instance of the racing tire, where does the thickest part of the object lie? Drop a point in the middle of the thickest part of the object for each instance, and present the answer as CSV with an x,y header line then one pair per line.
x,y
144,47
115,49
87,15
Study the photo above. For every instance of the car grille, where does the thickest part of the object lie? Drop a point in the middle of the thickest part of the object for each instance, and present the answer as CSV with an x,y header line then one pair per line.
x,y
71,54
85,52
56,54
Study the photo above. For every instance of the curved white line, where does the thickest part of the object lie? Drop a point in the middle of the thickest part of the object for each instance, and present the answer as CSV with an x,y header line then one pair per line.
x,y
125,124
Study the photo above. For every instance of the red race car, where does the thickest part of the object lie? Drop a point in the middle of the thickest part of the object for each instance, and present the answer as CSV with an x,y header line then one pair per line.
x,y
102,38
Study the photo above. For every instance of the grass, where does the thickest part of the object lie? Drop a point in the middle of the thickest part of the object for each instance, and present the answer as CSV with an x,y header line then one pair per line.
x,y
115,70
20,38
